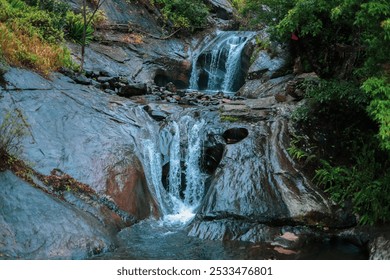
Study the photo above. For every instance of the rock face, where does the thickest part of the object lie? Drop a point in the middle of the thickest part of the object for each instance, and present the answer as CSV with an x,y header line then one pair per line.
x,y
273,191
222,8
34,225
257,182
82,132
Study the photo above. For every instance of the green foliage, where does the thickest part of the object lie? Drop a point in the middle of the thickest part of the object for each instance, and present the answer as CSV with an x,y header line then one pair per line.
x,y
227,118
334,36
347,115
31,36
352,167
183,14
260,13
75,26
344,93
364,184
379,108
31,20
300,150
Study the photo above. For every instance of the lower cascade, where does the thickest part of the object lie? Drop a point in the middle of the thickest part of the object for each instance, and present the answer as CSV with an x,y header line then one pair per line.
x,y
180,161
172,161
220,64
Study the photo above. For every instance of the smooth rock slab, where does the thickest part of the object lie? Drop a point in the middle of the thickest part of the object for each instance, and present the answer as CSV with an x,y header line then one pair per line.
x,y
34,225
84,133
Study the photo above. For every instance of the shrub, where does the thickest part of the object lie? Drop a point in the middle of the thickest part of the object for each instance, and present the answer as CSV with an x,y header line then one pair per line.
x,y
379,108
31,37
31,51
12,131
364,184
349,163
183,14
75,26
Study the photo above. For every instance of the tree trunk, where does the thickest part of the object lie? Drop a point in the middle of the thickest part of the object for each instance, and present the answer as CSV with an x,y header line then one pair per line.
x,y
83,39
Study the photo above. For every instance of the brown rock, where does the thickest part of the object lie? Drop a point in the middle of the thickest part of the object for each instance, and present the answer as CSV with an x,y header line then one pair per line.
x,y
127,186
290,236
280,97
284,251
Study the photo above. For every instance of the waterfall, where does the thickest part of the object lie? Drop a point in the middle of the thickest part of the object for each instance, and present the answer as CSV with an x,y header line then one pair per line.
x,y
194,179
178,144
218,65
175,163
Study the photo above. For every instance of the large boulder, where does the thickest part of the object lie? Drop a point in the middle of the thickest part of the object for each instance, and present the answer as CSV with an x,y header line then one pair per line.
x,y
268,64
260,88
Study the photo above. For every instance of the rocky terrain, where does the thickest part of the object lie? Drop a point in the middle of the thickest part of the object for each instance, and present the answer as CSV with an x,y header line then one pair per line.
x,y
89,175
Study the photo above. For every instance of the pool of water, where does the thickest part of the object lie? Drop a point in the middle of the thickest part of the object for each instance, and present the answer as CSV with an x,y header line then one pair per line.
x,y
160,240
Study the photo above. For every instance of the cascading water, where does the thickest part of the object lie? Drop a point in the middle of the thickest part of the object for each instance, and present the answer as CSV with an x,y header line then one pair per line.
x,y
178,145
218,66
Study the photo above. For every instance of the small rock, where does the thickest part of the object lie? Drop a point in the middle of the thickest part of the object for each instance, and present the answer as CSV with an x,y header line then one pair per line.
x,y
171,100
284,251
133,90
105,73
171,87
105,79
123,80
380,249
82,80
290,236
109,91
280,97
176,97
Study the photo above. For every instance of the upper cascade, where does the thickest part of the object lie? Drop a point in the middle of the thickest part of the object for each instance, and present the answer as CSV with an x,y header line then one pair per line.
x,y
221,64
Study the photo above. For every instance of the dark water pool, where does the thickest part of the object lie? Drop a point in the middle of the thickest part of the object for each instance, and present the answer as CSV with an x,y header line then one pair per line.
x,y
152,240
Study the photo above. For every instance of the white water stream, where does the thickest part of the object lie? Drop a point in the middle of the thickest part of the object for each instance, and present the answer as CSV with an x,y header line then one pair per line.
x,y
222,61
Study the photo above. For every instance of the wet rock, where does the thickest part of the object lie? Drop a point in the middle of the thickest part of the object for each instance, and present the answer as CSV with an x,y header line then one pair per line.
x,y
380,248
160,112
18,79
267,66
116,53
82,80
288,240
259,88
226,229
285,251
171,87
172,70
131,90
222,8
85,133
211,157
109,80
274,190
127,186
34,225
